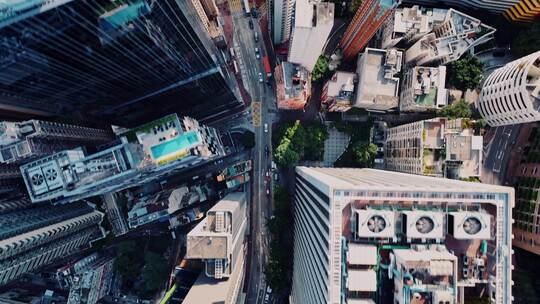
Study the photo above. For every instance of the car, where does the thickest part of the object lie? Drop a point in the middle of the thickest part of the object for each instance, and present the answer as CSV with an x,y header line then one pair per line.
x,y
266,150
268,289
256,50
250,24
465,273
267,191
260,77
267,173
256,35
265,128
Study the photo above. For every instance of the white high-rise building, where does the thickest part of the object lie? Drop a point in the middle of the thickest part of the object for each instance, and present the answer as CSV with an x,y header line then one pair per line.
x,y
355,228
219,240
312,25
34,237
511,94
22,141
282,13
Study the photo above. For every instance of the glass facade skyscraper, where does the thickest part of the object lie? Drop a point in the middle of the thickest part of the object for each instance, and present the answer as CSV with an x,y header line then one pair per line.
x,y
121,62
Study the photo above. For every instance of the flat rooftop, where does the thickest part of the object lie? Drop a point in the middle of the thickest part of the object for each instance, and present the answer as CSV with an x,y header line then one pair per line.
x,y
377,85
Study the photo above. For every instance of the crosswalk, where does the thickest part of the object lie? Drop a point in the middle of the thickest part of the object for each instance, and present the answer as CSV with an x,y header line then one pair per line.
x,y
235,5
256,112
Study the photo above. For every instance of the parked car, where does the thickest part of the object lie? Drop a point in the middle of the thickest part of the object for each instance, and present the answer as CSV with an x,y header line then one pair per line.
x,y
250,24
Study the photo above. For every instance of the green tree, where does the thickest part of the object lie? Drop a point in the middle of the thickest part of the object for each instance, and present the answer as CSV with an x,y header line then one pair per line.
x,y
527,42
284,155
128,262
355,4
248,139
315,136
465,73
460,109
365,153
320,70
153,273
276,275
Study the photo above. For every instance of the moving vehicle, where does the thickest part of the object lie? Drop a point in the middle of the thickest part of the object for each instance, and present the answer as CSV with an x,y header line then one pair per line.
x,y
265,128
260,77
250,24
267,68
257,54
256,35
266,150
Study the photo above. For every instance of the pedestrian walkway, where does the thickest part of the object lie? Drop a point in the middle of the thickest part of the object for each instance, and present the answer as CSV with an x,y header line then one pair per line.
x,y
334,146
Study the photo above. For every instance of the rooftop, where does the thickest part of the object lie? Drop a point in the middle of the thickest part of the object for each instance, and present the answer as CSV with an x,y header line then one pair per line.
x,y
293,86
428,86
341,85
377,83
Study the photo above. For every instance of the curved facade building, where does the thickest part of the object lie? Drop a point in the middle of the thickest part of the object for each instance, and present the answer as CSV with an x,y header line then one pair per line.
x,y
510,95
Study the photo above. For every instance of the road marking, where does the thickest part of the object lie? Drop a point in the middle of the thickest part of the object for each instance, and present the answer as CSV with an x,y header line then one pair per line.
x,y
235,5
256,107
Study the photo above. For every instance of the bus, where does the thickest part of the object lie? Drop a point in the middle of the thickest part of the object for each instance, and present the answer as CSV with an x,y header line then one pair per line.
x,y
246,8
267,68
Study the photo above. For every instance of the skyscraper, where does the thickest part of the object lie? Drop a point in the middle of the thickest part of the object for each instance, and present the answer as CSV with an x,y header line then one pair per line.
x,y
312,25
364,234
107,60
366,22
510,95
219,240
281,20
34,237
27,140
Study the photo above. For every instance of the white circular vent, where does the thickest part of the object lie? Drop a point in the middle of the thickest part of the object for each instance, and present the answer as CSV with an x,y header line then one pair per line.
x,y
51,174
376,223
472,225
425,225
37,179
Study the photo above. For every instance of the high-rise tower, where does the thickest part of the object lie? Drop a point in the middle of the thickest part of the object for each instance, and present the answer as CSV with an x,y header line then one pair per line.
x,y
366,22
362,235
34,237
107,60
511,94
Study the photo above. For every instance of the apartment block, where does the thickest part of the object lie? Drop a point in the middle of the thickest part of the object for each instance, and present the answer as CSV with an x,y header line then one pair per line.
x,y
423,89
449,40
293,86
144,152
510,95
88,279
27,140
368,19
39,235
378,82
313,21
282,17
408,24
435,147
151,55
513,10
219,241
374,236
338,92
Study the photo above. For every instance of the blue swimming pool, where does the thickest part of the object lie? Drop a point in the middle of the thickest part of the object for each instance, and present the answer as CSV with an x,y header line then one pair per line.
x,y
184,141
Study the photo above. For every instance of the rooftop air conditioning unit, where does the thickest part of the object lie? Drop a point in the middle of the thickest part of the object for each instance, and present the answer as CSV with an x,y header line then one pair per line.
x,y
467,225
376,223
419,224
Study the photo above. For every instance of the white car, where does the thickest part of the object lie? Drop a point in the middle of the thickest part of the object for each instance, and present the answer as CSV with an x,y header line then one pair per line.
x,y
260,77
265,128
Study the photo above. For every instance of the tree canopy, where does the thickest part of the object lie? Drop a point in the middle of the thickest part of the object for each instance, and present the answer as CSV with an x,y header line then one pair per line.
x,y
465,73
153,273
320,70
459,109
365,153
248,139
295,142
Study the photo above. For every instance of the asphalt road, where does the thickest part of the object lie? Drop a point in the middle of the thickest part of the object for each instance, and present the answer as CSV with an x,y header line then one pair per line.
x,y
263,100
497,154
